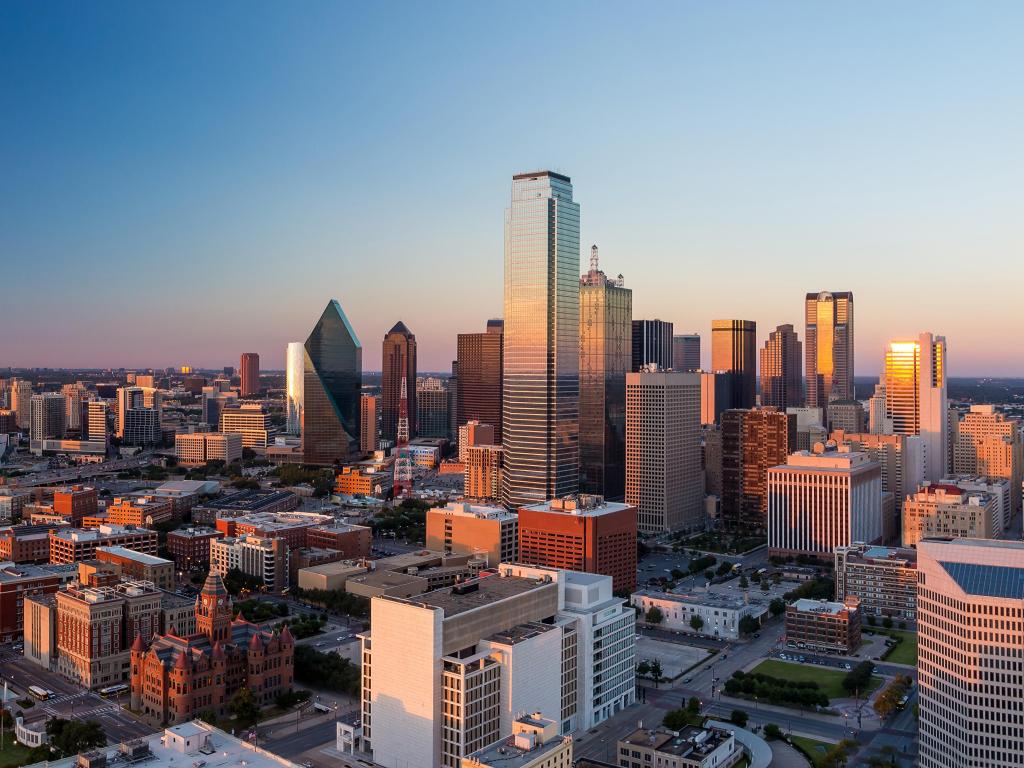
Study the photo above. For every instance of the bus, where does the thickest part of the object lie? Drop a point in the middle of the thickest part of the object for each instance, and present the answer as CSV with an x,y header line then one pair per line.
x,y
38,693
318,707
114,690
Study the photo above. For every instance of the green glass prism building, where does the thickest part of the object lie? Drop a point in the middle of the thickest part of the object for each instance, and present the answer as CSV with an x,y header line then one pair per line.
x,y
541,391
331,387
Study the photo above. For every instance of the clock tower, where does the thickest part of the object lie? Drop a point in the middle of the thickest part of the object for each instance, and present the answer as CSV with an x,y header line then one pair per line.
x,y
213,610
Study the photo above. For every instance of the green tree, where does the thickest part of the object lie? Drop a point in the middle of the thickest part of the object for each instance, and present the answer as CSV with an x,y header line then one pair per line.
x,y
696,622
777,607
749,625
743,582
772,731
70,737
643,668
872,620
656,670
654,615
693,705
243,705
739,717
887,622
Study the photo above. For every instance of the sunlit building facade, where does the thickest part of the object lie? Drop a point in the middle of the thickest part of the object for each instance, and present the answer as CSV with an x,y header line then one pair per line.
x,y
915,396
369,423
330,390
398,361
606,309
295,375
829,340
734,350
249,368
990,444
479,380
782,384
540,413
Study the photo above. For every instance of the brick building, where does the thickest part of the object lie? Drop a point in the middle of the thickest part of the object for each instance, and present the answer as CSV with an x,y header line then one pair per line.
x,y
26,543
72,545
462,528
244,503
75,502
174,678
353,541
292,526
140,511
820,625
16,583
139,566
190,547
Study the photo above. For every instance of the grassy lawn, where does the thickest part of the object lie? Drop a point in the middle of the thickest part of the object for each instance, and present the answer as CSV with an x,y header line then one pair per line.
x,y
905,652
816,749
829,680
12,755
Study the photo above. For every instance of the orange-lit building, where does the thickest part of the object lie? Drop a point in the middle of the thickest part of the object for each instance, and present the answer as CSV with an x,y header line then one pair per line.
x,y
353,541
139,511
483,471
581,533
462,528
75,502
249,368
190,547
354,481
72,545
26,543
290,526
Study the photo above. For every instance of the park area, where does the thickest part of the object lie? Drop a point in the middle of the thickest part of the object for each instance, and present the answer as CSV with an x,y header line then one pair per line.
x,y
905,652
829,683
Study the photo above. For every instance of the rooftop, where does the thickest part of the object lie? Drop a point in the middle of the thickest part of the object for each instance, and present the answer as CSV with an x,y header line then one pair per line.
x,y
475,594
708,599
480,511
520,632
131,554
583,504
191,533
690,740
819,606
251,500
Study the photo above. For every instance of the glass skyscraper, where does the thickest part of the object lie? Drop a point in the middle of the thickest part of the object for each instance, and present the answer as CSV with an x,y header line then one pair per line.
x,y
829,339
734,350
333,373
541,393
295,373
915,397
606,310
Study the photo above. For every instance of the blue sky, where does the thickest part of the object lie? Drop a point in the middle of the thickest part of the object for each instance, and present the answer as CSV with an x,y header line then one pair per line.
x,y
181,182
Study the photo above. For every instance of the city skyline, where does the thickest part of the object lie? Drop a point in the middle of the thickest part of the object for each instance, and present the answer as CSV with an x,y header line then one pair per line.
x,y
240,167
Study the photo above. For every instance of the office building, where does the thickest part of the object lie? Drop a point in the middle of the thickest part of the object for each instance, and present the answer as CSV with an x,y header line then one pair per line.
x,y
398,363
480,377
483,471
691,747
48,412
264,558
823,500
197,448
946,510
215,401
970,604
715,396
250,420
73,545
719,615
475,433
369,423
879,422
821,625
535,742
351,541
782,384
652,345
138,566
462,528
847,415
8,422
990,444
901,458
249,369
26,543
174,678
18,582
12,502
20,398
581,533
829,342
139,412
753,441
734,350
432,408
293,527
74,502
711,459
996,487
915,396
810,427
664,478
139,511
294,377
364,481
330,390
75,396
606,308
884,579
540,406
686,352
190,547
94,421
446,672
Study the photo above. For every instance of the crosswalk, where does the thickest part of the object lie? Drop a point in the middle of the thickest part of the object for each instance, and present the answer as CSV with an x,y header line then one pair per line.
x,y
81,712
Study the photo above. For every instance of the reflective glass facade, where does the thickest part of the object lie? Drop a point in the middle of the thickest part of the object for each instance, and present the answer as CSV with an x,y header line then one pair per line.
x,y
331,384
295,373
480,377
398,359
782,384
829,337
734,350
540,415
915,397
652,344
606,310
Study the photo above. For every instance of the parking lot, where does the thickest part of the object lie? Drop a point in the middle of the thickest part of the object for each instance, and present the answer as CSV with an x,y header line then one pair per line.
x,y
674,657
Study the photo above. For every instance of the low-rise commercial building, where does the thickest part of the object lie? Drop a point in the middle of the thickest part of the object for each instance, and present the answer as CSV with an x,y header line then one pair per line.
x,y
72,545
18,582
26,543
265,558
884,579
820,625
357,481
293,527
351,541
944,510
691,747
244,503
474,529
190,547
534,743
138,566
139,511
701,613
12,502
75,502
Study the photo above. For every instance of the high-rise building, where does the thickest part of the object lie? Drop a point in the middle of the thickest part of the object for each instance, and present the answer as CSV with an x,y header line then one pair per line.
x,y
198,448
879,422
263,557
606,309
249,366
75,395
294,377
990,444
94,420
782,385
21,398
847,415
479,380
330,390
753,441
820,501
664,478
970,604
945,510
581,533
915,396
901,458
250,420
483,469
398,362
369,423
432,408
462,528
214,403
734,350
540,406
475,433
139,412
715,395
829,340
884,579
686,352
48,412
652,344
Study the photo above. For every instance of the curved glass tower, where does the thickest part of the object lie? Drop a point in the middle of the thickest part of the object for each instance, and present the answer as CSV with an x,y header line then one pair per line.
x,y
333,372
541,392
295,372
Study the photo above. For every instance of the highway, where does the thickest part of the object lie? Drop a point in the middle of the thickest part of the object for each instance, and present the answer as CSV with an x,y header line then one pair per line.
x,y
82,472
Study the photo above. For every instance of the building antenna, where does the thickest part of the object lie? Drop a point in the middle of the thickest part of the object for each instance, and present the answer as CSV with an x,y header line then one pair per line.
x,y
593,258
403,465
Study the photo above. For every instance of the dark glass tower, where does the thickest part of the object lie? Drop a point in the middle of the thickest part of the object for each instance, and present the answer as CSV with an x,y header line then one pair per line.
x,y
734,350
332,380
652,344
398,359
480,377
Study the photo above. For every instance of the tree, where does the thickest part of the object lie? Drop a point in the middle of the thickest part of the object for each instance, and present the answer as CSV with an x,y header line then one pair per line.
x,y
696,622
656,670
654,615
777,607
743,582
872,620
887,622
772,731
643,668
70,737
693,705
749,625
838,755
243,705
857,679
739,717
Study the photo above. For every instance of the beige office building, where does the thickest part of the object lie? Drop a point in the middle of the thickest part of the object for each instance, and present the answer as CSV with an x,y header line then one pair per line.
x,y
944,510
200,447
664,477
482,473
462,528
915,397
249,420
990,444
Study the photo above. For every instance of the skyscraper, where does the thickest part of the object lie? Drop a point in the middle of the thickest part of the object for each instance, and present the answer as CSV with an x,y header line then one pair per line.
x,y
782,385
970,601
686,352
652,344
990,444
139,412
369,423
605,340
21,398
250,369
915,396
734,350
74,395
829,340
295,374
752,442
540,411
48,419
330,390
398,361
479,379
432,408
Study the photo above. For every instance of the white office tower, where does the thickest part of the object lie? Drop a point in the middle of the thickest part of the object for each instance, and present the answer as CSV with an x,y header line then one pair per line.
x,y
48,419
879,422
970,610
295,371
915,397
446,672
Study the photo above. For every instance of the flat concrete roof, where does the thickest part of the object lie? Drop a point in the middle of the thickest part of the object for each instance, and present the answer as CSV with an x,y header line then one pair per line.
x,y
463,598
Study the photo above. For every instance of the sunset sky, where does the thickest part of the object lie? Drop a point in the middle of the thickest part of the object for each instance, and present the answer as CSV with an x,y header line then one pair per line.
x,y
181,182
